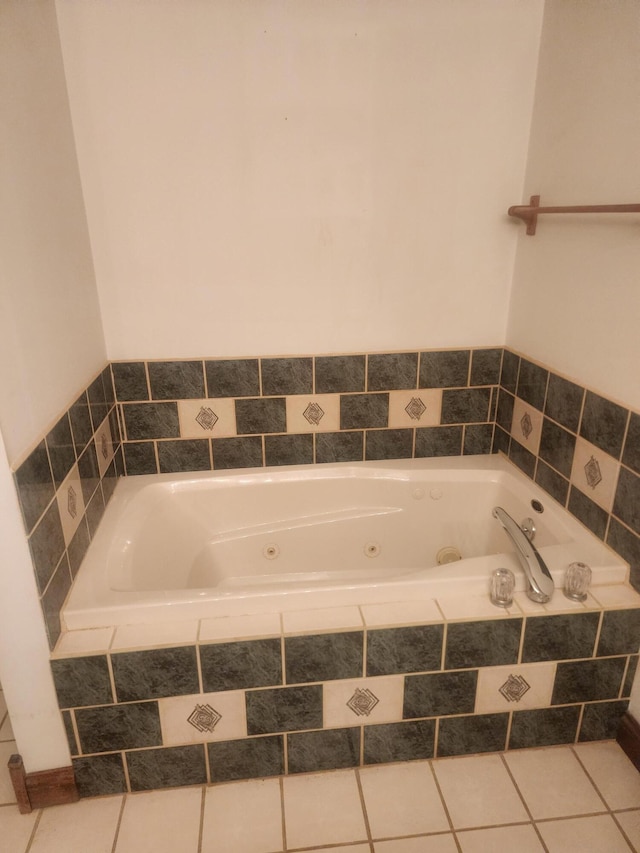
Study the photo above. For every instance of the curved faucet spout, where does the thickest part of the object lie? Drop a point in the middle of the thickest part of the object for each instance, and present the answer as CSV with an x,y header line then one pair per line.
x,y
538,575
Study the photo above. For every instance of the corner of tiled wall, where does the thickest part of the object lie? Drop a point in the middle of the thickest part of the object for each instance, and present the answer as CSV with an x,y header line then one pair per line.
x,y
63,486
581,448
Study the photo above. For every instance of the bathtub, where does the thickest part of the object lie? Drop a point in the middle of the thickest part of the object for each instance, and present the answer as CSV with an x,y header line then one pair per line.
x,y
206,544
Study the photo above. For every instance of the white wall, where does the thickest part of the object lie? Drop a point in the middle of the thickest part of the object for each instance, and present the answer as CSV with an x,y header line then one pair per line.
x,y
575,303
51,340
281,176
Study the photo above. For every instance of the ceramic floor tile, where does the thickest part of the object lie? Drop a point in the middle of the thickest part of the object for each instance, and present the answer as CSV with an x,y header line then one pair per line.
x,y
630,823
553,783
7,749
422,844
15,829
89,825
402,799
478,791
323,809
613,773
161,822
226,827
499,839
598,834
350,848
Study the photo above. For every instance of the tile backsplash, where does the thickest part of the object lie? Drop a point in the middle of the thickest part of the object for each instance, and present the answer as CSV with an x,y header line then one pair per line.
x,y
198,415
63,487
141,417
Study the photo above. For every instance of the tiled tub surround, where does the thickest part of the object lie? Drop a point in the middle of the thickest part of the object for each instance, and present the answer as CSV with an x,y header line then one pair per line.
x,y
581,448
238,413
247,697
63,487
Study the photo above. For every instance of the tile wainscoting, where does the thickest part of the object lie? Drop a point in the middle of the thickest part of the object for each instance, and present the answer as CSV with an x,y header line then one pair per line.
x,y
63,487
254,697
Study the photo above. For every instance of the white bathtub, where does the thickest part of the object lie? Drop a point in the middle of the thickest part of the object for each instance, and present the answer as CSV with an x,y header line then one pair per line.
x,y
198,545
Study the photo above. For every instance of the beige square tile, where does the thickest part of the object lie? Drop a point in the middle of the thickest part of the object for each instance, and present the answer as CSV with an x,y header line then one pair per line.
x,y
514,688
3,705
162,634
526,605
203,717
478,791
561,604
595,473
363,701
104,446
313,413
401,613
324,619
70,504
16,829
243,817
630,823
402,799
225,628
553,783
88,825
211,418
473,607
501,839
598,834
613,773
616,595
89,641
323,808
161,822
526,425
417,408
349,848
7,794
422,844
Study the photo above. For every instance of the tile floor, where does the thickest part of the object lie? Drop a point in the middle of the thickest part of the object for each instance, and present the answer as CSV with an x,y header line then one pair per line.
x,y
584,798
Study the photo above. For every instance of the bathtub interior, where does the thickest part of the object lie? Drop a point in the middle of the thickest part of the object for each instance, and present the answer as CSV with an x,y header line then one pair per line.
x,y
349,525
194,546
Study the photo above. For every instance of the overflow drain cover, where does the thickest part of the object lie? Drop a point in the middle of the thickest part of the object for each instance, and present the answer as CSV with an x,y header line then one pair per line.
x,y
271,551
448,554
372,549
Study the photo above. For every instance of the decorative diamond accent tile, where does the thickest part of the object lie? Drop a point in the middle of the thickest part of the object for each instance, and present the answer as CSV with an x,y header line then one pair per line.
x,y
204,718
72,504
514,688
206,417
104,446
313,413
592,472
362,702
415,408
526,425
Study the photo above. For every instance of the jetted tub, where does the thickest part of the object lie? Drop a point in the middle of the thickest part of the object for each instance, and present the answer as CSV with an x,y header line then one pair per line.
x,y
198,545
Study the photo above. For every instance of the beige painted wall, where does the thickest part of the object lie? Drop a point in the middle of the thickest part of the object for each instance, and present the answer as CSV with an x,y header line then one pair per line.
x,y
282,176
51,340
575,302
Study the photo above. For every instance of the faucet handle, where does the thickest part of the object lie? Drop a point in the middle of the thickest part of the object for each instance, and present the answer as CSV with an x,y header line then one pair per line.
x,y
502,585
576,581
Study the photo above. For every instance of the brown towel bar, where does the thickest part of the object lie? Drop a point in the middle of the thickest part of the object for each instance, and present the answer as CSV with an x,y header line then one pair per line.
x,y
529,212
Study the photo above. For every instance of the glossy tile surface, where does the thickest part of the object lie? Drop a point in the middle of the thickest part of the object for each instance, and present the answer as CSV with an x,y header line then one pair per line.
x,y
584,798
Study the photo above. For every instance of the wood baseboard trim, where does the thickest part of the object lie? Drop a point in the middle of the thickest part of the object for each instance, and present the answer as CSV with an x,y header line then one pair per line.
x,y
629,738
43,788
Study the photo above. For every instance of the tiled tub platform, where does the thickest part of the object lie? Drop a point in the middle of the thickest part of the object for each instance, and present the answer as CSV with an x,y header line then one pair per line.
x,y
158,706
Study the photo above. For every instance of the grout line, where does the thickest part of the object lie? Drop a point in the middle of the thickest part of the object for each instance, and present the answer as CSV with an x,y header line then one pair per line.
x,y
524,802
444,803
590,777
622,831
119,823
32,837
363,805
201,827
282,814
